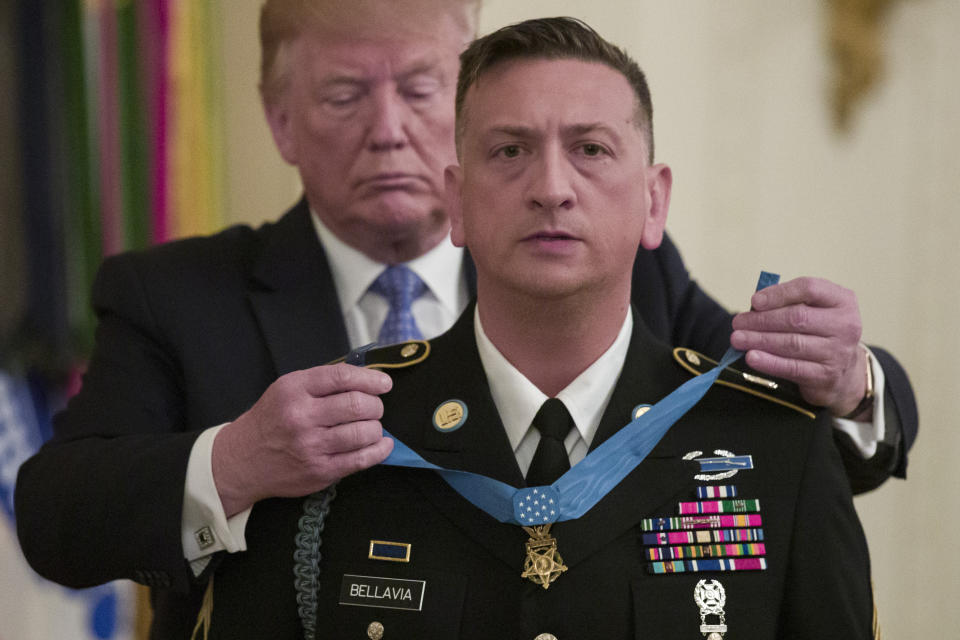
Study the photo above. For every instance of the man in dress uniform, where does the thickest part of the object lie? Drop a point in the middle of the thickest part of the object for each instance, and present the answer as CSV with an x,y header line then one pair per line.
x,y
205,404
500,514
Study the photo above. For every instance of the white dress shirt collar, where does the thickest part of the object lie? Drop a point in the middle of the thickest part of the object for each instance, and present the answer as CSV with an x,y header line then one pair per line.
x,y
586,398
353,272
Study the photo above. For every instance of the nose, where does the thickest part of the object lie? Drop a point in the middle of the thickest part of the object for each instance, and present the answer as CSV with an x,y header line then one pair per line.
x,y
387,131
550,186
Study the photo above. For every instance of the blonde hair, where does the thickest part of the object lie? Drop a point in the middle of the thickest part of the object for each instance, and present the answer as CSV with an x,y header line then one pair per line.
x,y
282,21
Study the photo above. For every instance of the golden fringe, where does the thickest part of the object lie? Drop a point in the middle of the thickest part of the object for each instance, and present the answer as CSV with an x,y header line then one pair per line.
x,y
206,613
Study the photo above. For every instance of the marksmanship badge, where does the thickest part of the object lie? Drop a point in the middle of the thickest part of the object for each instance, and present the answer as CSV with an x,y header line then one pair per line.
x,y
710,597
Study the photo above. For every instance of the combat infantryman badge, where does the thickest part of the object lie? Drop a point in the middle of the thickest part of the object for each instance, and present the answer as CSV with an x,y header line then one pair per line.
x,y
543,564
725,466
710,597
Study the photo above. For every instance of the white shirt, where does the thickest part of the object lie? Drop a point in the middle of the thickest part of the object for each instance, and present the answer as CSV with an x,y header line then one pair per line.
x,y
441,269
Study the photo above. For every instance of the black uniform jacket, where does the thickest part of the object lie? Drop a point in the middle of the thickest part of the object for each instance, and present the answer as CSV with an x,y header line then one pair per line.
x,y
190,334
463,575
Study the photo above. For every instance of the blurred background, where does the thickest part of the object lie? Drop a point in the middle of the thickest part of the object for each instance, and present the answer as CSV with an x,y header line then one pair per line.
x,y
806,137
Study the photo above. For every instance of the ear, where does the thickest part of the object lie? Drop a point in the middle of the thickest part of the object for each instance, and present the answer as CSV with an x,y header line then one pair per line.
x,y
659,183
453,188
277,111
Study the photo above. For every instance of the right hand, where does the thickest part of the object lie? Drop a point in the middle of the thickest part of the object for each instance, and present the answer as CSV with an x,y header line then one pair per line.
x,y
309,429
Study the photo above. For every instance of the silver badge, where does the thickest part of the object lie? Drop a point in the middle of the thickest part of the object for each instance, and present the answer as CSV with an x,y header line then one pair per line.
x,y
733,467
710,597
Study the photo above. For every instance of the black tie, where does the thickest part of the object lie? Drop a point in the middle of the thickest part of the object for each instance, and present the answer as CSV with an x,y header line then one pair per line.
x,y
550,461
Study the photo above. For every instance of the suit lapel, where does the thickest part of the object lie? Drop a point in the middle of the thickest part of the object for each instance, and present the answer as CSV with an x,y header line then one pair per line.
x,y
293,296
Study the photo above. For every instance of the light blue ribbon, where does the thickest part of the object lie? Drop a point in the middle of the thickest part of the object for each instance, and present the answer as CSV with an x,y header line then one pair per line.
x,y
586,483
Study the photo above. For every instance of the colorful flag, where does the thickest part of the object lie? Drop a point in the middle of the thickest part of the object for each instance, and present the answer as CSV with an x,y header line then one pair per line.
x,y
120,147
31,607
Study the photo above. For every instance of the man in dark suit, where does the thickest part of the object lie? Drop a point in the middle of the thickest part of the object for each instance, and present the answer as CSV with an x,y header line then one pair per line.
x,y
553,195
140,482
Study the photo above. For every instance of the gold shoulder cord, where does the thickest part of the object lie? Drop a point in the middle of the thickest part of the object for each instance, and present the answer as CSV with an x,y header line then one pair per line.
x,y
877,632
206,613
412,349
682,355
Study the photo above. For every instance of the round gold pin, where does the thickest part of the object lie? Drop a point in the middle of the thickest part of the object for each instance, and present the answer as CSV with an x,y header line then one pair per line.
x,y
449,416
375,630
409,350
693,358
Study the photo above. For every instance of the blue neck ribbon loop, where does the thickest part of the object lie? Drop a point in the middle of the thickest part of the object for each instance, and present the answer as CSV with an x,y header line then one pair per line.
x,y
586,483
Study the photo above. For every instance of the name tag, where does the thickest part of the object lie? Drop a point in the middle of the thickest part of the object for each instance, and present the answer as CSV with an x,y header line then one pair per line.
x,y
383,593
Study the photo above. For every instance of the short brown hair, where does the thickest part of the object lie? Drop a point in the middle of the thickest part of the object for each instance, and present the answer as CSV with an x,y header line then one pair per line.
x,y
552,38
282,21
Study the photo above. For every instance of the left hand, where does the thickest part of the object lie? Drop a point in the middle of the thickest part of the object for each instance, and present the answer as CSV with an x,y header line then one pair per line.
x,y
807,331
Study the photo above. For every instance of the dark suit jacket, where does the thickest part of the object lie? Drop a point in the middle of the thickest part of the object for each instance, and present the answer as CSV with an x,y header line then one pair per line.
x,y
817,584
190,334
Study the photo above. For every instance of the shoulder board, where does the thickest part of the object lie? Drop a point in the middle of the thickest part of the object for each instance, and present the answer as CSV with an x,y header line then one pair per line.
x,y
777,391
391,356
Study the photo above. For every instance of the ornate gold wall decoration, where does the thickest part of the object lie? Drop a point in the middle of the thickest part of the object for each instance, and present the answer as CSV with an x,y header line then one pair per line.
x,y
856,49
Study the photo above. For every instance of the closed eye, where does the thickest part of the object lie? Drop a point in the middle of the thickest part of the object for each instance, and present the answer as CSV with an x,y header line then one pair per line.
x,y
421,89
342,94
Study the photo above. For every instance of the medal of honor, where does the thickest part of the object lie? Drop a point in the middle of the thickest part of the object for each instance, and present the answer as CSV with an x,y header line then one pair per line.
x,y
543,564
710,597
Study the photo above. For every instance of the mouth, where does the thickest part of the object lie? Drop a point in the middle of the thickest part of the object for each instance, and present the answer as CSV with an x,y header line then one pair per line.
x,y
388,181
549,236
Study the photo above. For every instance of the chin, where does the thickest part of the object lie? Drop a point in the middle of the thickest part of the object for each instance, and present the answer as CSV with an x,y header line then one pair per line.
x,y
402,211
550,288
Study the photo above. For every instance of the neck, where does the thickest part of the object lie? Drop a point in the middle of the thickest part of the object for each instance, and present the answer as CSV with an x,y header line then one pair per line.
x,y
391,247
551,342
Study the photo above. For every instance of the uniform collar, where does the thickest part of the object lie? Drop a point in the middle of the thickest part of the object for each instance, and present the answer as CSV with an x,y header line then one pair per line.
x,y
586,397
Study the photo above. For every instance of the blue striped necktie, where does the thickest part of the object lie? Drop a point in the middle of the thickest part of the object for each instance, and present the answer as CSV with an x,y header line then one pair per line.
x,y
400,286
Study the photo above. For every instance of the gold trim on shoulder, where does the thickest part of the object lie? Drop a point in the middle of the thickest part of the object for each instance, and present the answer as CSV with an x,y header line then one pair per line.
x,y
690,359
413,344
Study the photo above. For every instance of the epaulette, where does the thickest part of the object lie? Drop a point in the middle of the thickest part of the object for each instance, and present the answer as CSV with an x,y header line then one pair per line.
x,y
391,356
773,390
